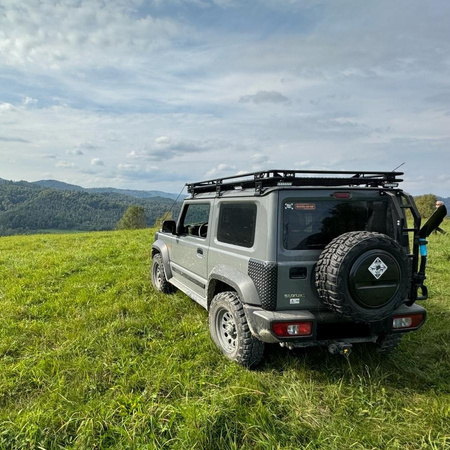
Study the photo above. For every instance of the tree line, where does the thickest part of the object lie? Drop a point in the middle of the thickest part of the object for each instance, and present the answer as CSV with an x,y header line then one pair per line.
x,y
26,208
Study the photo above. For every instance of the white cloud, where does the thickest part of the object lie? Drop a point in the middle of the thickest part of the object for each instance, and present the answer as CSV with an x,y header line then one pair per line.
x,y
163,140
97,162
57,34
29,101
221,170
65,164
6,107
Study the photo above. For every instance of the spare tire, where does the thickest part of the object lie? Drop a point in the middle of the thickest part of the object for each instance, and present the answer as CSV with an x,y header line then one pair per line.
x,y
363,276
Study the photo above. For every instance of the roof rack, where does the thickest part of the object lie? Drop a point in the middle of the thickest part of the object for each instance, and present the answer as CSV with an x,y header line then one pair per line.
x,y
303,178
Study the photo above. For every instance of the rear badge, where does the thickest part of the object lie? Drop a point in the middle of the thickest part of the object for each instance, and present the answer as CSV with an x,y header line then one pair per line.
x,y
377,268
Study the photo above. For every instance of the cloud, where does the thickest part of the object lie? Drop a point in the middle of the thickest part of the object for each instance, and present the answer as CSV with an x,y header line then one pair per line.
x,y
58,35
65,165
75,152
259,158
221,169
13,139
264,97
151,174
97,162
261,161
85,146
7,107
188,86
27,101
162,140
165,148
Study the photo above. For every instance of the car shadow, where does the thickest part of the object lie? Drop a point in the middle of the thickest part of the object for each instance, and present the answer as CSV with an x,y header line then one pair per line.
x,y
417,364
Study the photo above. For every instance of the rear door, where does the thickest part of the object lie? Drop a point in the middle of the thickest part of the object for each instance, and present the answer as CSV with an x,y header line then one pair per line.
x,y
308,222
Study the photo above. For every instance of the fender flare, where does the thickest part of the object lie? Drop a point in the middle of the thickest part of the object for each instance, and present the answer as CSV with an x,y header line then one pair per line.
x,y
160,246
239,281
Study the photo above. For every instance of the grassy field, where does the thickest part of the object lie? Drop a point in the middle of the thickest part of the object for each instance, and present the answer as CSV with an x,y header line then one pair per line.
x,y
92,357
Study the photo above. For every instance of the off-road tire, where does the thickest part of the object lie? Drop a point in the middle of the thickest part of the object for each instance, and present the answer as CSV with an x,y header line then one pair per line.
x,y
158,275
388,343
337,260
230,331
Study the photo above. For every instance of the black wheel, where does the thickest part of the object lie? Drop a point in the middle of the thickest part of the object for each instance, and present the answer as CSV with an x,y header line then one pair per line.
x,y
363,276
159,280
230,332
387,343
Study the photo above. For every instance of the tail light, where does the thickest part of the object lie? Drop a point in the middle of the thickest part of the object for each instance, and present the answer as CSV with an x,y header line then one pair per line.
x,y
407,321
290,329
342,195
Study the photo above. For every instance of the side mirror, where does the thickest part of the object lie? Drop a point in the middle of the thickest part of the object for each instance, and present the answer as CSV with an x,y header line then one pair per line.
x,y
433,222
169,226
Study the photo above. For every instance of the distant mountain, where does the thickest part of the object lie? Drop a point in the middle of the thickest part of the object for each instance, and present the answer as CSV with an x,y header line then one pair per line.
x,y
31,207
446,200
54,184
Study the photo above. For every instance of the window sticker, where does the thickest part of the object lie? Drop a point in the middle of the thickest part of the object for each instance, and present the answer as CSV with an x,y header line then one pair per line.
x,y
305,206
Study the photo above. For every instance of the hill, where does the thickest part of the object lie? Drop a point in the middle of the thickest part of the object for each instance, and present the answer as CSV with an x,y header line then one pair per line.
x,y
93,357
29,207
54,184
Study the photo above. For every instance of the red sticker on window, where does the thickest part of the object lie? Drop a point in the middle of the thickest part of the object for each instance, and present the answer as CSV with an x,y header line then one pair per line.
x,y
305,206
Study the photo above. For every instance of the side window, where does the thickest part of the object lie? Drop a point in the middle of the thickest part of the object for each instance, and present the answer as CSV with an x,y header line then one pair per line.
x,y
237,223
195,220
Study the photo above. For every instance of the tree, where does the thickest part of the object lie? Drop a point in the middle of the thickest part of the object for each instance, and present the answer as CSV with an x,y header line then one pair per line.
x,y
426,204
160,220
132,219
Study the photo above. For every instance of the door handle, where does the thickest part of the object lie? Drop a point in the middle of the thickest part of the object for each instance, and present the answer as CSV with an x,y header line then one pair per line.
x,y
199,252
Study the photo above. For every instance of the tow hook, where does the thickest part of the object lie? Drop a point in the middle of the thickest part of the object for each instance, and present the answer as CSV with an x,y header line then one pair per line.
x,y
340,348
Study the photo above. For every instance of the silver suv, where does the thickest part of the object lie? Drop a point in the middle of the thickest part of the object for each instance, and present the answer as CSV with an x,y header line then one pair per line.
x,y
299,258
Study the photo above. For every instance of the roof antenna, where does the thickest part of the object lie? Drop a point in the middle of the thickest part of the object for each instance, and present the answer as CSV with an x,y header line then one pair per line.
x,y
398,167
173,204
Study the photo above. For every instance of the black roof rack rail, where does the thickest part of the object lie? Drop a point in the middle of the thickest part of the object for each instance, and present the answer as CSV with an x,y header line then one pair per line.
x,y
302,178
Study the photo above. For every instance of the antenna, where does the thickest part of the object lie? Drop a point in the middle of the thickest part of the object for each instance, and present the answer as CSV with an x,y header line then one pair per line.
x,y
398,167
173,204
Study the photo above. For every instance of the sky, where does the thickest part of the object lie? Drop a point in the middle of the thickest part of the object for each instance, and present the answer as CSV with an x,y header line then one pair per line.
x,y
151,94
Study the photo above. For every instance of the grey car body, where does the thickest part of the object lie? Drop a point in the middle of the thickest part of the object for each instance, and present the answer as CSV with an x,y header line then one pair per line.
x,y
300,258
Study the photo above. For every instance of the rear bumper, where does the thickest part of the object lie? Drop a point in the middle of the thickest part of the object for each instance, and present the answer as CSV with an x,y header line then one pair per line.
x,y
327,326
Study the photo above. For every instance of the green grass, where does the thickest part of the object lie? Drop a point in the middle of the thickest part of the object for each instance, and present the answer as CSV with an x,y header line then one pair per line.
x,y
92,357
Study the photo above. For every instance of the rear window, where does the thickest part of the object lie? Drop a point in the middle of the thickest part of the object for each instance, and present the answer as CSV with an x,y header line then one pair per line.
x,y
237,224
313,225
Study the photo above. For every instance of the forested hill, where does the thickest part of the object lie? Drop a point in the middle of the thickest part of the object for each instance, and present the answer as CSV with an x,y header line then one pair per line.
x,y
28,207
54,184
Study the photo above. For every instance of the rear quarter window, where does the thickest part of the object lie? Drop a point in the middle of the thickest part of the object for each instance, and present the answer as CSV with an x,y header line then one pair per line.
x,y
237,222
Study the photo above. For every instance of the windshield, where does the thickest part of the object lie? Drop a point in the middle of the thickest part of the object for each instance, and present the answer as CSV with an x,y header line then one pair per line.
x,y
313,225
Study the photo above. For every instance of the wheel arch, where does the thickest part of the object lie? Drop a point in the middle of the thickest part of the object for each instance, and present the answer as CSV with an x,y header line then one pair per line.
x,y
160,246
225,278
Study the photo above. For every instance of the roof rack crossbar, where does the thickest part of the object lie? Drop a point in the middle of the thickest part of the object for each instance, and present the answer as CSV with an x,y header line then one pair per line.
x,y
302,178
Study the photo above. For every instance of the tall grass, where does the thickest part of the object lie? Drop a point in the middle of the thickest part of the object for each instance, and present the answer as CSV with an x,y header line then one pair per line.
x,y
92,357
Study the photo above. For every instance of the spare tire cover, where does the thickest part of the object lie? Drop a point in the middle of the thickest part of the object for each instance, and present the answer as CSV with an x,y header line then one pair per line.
x,y
363,276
